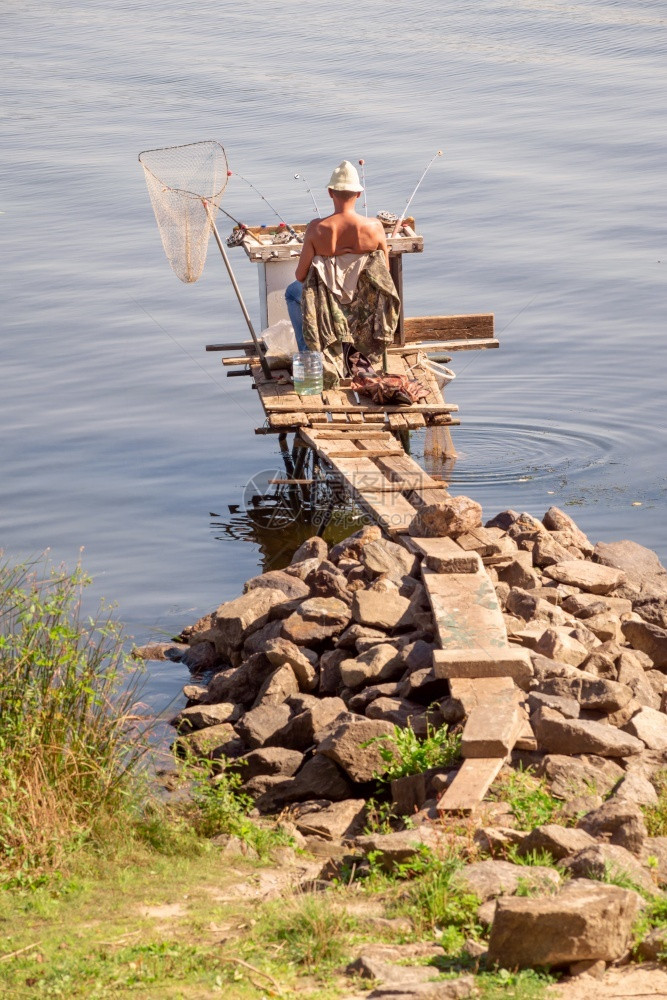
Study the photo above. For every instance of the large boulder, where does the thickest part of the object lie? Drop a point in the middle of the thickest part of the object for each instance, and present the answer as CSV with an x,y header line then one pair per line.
x,y
559,841
381,662
282,652
380,610
608,861
649,639
388,558
556,734
356,747
619,821
451,516
237,619
302,730
591,577
489,879
260,724
582,922
291,586
641,565
570,777
329,820
242,684
650,727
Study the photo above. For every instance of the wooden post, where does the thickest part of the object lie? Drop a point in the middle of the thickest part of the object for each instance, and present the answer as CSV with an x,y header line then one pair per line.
x,y
396,271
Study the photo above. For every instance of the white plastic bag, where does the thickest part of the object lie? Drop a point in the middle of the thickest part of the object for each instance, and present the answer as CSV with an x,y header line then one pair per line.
x,y
280,342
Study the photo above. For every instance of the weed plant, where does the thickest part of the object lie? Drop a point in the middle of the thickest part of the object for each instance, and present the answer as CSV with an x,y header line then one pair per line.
x,y
405,753
308,931
68,730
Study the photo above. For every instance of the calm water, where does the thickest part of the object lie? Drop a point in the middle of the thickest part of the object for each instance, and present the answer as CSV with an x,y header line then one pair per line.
x,y
548,208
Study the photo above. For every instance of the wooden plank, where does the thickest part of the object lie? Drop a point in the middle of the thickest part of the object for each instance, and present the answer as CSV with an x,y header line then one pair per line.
x,y
322,407
418,328
244,345
443,555
472,782
370,454
433,347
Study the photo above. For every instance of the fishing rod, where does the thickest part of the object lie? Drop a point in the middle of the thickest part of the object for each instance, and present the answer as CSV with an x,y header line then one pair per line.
x,y
399,221
300,177
362,164
275,211
244,230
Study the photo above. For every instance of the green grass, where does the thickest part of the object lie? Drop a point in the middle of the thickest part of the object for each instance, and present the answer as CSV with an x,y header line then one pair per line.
x,y
655,816
528,798
310,931
504,985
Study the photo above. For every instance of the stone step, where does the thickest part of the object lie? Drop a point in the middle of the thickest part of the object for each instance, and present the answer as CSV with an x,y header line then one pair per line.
x,y
465,610
493,727
484,662
472,782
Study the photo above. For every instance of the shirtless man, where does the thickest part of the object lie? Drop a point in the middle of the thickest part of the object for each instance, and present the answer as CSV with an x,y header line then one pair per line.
x,y
343,232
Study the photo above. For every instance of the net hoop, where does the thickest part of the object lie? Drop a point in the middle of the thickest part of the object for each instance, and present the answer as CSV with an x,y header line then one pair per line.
x,y
182,181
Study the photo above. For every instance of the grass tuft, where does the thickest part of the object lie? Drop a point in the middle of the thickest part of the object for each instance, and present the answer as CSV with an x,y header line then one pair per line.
x,y
528,797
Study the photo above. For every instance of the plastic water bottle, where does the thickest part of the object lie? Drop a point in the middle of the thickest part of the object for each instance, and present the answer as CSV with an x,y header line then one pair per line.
x,y
307,373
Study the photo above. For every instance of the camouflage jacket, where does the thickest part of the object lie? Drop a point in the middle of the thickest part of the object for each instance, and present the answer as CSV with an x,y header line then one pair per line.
x,y
368,322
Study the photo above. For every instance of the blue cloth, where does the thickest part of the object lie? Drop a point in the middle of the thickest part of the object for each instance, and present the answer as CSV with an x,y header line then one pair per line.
x,y
293,300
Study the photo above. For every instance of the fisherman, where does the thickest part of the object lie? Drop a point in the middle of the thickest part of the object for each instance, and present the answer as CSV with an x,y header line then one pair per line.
x,y
343,295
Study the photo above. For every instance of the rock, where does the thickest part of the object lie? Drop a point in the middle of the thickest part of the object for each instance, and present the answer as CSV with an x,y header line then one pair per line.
x,y
652,610
313,548
386,611
619,821
201,716
403,713
323,583
557,520
360,702
241,685
582,922
555,734
548,551
421,686
558,644
237,619
504,520
330,676
452,516
590,968
359,633
519,572
160,651
330,820
603,695
381,662
385,557
650,727
305,632
353,546
591,577
489,879
318,778
559,841
303,568
654,946
641,565
302,730
606,861
269,760
647,638
204,742
568,707
283,652
573,776
195,693
531,608
392,849
256,642
291,586
636,788
277,688
259,725
355,747
496,839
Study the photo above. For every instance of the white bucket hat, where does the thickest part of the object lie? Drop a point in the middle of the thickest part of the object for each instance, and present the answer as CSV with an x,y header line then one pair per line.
x,y
345,178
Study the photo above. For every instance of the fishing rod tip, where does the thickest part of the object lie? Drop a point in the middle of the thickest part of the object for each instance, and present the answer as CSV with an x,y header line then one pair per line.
x,y
229,173
439,152
361,163
297,177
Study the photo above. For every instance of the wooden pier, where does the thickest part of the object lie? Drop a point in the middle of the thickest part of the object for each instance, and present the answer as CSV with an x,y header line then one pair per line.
x,y
361,446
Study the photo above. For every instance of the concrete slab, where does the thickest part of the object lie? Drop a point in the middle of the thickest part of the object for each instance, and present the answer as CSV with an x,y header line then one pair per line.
x,y
472,782
472,691
509,662
465,610
444,555
493,727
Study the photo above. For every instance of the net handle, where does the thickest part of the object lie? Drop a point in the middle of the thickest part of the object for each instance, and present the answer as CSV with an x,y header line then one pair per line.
x,y
260,354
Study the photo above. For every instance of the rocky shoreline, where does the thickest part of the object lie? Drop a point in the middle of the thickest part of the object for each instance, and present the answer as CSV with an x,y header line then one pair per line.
x,y
317,665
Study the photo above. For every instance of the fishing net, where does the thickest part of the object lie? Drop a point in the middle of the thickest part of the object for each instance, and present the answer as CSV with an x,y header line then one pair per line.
x,y
179,179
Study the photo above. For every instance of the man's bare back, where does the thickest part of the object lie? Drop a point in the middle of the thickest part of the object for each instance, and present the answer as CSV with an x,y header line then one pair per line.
x,y
343,232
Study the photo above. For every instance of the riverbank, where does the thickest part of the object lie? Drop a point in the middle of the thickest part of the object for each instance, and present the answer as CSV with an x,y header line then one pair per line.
x,y
299,848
